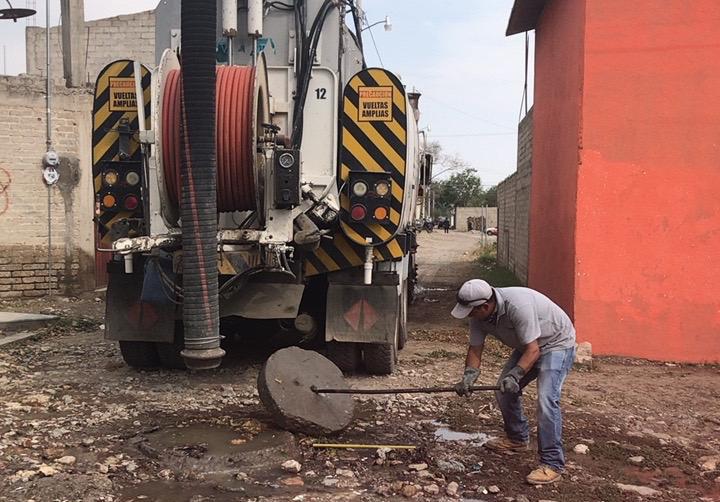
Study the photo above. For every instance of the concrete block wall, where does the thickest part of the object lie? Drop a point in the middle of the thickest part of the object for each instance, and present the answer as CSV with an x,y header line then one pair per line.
x,y
462,214
24,195
514,207
130,36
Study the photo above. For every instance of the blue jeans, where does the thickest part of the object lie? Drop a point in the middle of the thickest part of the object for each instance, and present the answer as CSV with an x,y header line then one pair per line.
x,y
550,371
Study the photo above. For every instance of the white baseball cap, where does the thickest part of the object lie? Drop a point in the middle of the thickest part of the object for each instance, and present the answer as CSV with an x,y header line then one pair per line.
x,y
472,294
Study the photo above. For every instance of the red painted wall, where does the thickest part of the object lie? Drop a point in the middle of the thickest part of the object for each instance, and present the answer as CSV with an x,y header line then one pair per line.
x,y
556,134
648,197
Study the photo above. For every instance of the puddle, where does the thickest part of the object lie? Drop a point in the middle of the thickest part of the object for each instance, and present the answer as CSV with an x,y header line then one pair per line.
x,y
444,433
212,455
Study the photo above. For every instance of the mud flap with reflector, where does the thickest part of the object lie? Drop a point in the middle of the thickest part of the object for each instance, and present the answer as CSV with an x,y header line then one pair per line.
x,y
366,314
128,317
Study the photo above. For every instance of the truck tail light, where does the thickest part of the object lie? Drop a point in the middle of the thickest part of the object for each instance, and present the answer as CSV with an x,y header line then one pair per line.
x,y
382,188
358,212
359,189
131,202
110,178
381,213
132,178
109,201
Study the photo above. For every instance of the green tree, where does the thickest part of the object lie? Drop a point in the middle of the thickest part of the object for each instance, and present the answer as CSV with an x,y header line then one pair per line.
x,y
491,196
460,189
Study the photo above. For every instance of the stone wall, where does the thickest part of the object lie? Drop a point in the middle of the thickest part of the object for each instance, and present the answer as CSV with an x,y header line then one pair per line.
x,y
24,197
514,207
130,36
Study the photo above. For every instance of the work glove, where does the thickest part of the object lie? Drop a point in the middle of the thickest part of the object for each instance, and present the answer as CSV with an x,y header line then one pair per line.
x,y
469,376
511,382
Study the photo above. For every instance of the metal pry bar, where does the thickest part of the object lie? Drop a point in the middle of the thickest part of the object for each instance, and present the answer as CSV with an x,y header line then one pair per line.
x,y
414,390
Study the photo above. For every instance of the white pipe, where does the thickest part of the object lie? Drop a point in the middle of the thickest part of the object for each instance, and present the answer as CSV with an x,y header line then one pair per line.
x,y
128,263
255,18
139,97
229,18
368,266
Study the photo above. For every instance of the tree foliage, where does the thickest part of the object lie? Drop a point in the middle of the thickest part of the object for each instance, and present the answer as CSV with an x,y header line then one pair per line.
x,y
463,188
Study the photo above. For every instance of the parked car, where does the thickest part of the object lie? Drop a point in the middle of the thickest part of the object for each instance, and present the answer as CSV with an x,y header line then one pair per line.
x,y
491,231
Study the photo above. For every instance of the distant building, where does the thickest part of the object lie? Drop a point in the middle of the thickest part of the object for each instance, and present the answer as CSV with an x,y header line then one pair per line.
x,y
475,218
624,225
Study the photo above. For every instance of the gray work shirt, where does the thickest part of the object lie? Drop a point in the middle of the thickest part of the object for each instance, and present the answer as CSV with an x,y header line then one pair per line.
x,y
524,315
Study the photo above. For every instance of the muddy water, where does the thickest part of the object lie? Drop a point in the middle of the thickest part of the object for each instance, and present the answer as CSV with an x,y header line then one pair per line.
x,y
205,460
444,433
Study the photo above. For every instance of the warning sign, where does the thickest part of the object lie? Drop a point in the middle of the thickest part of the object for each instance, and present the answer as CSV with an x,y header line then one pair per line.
x,y
375,104
122,94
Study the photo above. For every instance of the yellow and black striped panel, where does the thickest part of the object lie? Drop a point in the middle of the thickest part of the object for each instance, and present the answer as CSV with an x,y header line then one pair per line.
x,y
374,139
111,105
340,253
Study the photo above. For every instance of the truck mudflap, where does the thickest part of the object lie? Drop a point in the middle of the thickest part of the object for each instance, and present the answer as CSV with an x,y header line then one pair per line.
x,y
358,313
135,311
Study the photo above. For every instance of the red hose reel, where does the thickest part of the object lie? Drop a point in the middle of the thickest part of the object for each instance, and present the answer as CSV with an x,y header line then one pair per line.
x,y
234,121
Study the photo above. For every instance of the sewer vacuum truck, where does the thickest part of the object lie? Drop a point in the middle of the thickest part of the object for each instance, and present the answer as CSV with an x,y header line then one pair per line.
x,y
260,175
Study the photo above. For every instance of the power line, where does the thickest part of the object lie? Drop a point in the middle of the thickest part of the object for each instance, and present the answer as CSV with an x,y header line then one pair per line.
x,y
473,135
372,37
460,110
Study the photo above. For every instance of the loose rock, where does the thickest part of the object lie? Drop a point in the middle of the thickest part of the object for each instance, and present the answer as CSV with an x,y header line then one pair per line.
x,y
418,467
582,449
452,488
409,491
643,491
293,481
452,466
709,463
432,489
292,466
494,489
637,460
66,460
48,471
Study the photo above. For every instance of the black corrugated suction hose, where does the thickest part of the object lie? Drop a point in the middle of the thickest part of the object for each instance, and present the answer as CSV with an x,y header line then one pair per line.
x,y
198,206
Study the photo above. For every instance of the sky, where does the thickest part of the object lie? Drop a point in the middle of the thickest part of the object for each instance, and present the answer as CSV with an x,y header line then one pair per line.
x,y
454,52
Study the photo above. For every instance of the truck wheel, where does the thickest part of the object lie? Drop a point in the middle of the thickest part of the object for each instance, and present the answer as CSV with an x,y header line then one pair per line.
x,y
169,353
139,354
380,358
345,355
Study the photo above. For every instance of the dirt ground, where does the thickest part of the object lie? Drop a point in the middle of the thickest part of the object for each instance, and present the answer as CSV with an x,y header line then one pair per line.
x,y
76,424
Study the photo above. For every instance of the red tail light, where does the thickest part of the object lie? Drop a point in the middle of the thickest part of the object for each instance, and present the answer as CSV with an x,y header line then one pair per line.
x,y
131,202
358,212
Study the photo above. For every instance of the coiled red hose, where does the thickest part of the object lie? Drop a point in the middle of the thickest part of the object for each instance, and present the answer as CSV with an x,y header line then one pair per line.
x,y
233,128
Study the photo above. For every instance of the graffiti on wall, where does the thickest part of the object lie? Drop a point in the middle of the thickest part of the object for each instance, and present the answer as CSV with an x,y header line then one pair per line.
x,y
5,181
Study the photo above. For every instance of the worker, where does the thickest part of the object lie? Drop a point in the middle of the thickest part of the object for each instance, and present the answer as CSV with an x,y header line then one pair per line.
x,y
543,339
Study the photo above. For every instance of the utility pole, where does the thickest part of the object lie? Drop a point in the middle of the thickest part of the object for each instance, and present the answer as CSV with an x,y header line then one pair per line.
x,y
73,29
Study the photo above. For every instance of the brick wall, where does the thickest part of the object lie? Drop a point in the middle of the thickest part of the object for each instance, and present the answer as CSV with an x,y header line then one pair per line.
x,y
24,196
130,36
514,207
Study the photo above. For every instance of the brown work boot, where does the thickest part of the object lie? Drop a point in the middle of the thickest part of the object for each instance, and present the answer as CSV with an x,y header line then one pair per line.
x,y
506,445
543,475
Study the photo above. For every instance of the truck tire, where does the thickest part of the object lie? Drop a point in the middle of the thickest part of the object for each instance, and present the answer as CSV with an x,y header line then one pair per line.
x,y
169,353
345,355
380,358
139,354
